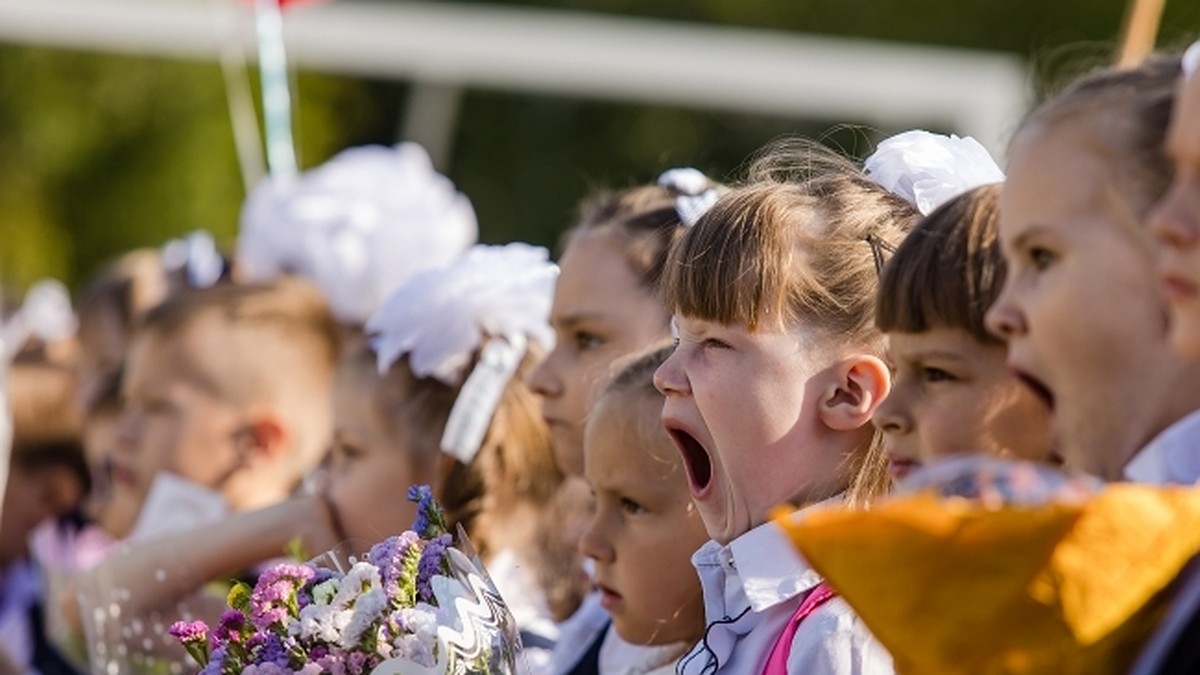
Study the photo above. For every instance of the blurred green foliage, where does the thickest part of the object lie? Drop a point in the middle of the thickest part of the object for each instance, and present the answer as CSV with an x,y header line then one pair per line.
x,y
101,153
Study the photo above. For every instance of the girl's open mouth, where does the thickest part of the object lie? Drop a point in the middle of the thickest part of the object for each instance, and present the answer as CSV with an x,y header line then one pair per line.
x,y
1040,390
695,459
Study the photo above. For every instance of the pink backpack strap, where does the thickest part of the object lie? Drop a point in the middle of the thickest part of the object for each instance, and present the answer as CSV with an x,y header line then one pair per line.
x,y
777,661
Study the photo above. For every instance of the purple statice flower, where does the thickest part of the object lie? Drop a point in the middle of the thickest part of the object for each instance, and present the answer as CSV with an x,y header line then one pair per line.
x,y
216,663
388,557
193,635
189,632
431,520
274,596
229,628
433,557
272,650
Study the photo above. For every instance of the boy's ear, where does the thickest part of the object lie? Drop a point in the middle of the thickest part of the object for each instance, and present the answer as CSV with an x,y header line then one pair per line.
x,y
265,436
855,389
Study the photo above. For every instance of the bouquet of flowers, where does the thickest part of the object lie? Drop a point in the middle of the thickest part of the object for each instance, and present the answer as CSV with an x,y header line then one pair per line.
x,y
416,605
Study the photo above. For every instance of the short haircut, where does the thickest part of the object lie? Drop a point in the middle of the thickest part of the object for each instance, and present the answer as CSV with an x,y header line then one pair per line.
x,y
948,271
47,429
265,343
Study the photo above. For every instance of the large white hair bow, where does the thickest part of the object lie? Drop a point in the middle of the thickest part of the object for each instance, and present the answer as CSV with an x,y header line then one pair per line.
x,y
1191,60
359,226
928,169
493,299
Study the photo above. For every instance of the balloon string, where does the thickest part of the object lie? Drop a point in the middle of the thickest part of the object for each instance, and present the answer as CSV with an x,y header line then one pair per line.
x,y
277,100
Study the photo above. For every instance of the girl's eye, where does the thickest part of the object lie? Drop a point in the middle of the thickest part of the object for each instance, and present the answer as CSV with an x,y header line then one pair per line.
x,y
344,452
585,341
937,375
1041,258
630,506
714,343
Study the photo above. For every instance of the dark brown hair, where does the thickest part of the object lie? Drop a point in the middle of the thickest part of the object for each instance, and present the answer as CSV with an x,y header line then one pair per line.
x,y
948,271
643,219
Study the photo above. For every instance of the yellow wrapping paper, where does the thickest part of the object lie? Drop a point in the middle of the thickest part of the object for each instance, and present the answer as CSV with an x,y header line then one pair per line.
x,y
951,587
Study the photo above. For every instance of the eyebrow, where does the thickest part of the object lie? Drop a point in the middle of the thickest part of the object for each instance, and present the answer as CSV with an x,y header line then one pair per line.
x,y
933,354
580,317
1027,234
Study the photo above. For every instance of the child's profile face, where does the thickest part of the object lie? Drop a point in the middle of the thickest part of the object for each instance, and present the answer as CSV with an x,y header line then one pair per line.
x,y
1081,309
172,421
369,470
600,313
953,394
1175,220
741,408
644,528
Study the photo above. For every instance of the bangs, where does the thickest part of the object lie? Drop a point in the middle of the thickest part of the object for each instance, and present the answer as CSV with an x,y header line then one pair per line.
x,y
947,272
733,266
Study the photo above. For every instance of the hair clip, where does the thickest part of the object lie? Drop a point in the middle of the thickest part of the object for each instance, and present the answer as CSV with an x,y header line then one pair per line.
x,y
197,256
878,248
697,193
927,169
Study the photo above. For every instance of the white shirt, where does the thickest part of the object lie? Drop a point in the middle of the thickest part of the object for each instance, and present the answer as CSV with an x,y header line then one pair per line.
x,y
751,589
618,657
1172,457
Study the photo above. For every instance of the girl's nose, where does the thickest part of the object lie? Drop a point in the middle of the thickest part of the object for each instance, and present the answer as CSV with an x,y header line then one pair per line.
x,y
1175,220
1003,319
891,417
594,543
544,379
670,379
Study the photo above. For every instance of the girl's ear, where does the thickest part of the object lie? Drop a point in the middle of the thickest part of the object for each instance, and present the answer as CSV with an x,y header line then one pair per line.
x,y
856,388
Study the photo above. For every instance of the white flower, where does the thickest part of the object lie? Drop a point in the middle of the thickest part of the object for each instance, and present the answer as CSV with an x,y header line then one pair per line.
x,y
324,592
927,169
322,622
367,609
362,578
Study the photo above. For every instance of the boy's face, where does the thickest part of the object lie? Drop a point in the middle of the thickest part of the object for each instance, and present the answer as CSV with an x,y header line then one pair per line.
x,y
742,409
953,394
645,528
1175,220
600,313
1081,309
174,419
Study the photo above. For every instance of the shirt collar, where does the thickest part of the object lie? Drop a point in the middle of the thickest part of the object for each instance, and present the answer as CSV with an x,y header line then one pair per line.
x,y
1172,457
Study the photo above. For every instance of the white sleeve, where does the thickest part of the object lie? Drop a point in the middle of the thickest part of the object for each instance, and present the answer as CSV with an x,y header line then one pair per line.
x,y
834,641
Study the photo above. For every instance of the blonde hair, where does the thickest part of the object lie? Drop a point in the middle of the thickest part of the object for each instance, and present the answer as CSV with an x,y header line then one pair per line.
x,y
801,243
